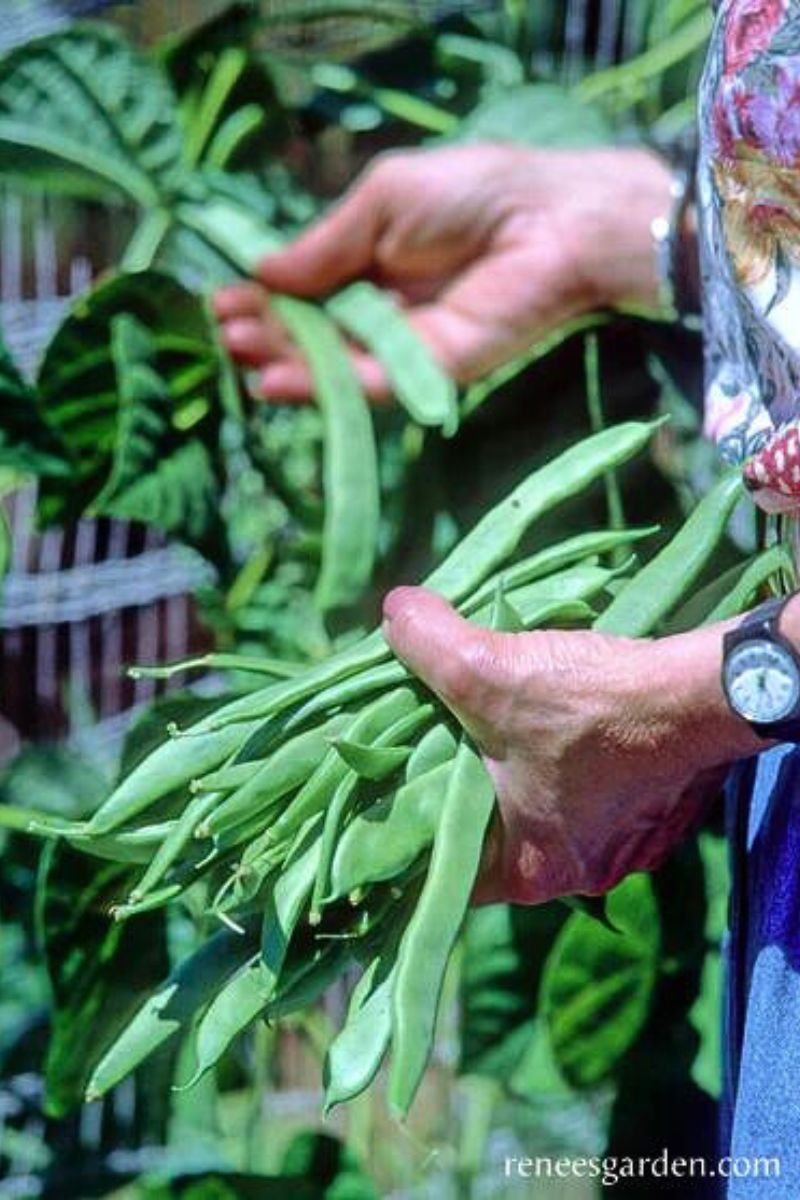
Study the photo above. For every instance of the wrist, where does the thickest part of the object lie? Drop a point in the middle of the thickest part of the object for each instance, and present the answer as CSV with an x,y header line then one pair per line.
x,y
621,260
684,684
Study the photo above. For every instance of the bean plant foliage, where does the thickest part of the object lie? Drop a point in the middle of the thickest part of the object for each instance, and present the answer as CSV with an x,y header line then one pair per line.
x,y
309,825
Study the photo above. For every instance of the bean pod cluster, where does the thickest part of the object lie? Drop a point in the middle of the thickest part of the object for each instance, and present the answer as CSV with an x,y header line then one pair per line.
x,y
332,823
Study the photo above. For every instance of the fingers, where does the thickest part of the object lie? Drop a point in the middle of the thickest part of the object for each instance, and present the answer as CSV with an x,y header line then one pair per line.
x,y
336,249
289,380
470,668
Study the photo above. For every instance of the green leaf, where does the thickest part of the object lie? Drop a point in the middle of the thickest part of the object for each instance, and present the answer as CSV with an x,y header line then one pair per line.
x,y
505,948
144,419
100,971
704,1016
83,112
597,985
330,1165
54,780
26,443
103,391
224,1185
535,114
155,477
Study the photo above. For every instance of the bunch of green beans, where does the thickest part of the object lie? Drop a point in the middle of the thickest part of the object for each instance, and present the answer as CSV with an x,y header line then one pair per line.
x,y
336,817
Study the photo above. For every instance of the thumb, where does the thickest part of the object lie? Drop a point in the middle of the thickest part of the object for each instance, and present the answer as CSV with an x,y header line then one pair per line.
x,y
337,248
466,665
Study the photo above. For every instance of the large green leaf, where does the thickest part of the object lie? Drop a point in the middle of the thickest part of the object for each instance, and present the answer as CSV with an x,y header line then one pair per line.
x,y
504,952
705,1014
52,779
107,391
597,985
100,970
82,111
156,476
27,445
535,114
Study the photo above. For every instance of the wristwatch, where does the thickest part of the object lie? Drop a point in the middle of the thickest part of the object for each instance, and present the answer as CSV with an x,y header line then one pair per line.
x,y
761,674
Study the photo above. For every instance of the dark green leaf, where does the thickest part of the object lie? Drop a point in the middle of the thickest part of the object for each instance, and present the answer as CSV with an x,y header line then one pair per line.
x,y
597,985
223,1185
504,951
535,114
100,971
330,1166
26,443
82,111
54,780
141,396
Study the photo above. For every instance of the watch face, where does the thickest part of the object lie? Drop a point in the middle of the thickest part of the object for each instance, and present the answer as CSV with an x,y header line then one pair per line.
x,y
762,681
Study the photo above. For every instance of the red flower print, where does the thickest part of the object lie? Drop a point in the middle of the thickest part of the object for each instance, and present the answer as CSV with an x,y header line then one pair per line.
x,y
774,472
751,26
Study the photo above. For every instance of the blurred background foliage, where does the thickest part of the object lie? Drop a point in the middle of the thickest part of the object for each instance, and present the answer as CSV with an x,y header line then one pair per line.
x,y
562,1037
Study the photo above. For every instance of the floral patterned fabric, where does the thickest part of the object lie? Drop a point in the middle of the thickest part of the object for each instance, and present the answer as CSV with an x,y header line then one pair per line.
x,y
749,198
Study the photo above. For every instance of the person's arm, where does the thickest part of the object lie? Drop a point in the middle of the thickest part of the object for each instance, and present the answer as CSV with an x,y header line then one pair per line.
x,y
602,749
488,247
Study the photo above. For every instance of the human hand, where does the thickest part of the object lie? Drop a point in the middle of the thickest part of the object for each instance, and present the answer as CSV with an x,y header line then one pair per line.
x,y
603,750
488,247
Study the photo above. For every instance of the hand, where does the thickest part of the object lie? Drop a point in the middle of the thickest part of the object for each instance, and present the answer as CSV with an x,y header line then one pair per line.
x,y
603,750
489,247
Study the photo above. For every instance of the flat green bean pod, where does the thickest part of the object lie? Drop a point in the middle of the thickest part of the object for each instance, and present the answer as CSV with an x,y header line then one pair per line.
x,y
556,558
435,747
287,768
435,923
227,779
187,990
238,1003
131,845
495,538
365,726
283,909
654,591
388,837
370,316
355,1055
769,564
371,762
350,460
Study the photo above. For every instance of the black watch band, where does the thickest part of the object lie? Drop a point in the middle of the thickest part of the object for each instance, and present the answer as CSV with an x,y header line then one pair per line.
x,y
764,622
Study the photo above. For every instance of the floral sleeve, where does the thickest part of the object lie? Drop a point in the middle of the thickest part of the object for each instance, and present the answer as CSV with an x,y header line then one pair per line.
x,y
749,189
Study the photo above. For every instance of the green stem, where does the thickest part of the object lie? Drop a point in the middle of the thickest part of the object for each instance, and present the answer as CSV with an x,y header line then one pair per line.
x,y
146,241
224,77
594,403
631,78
